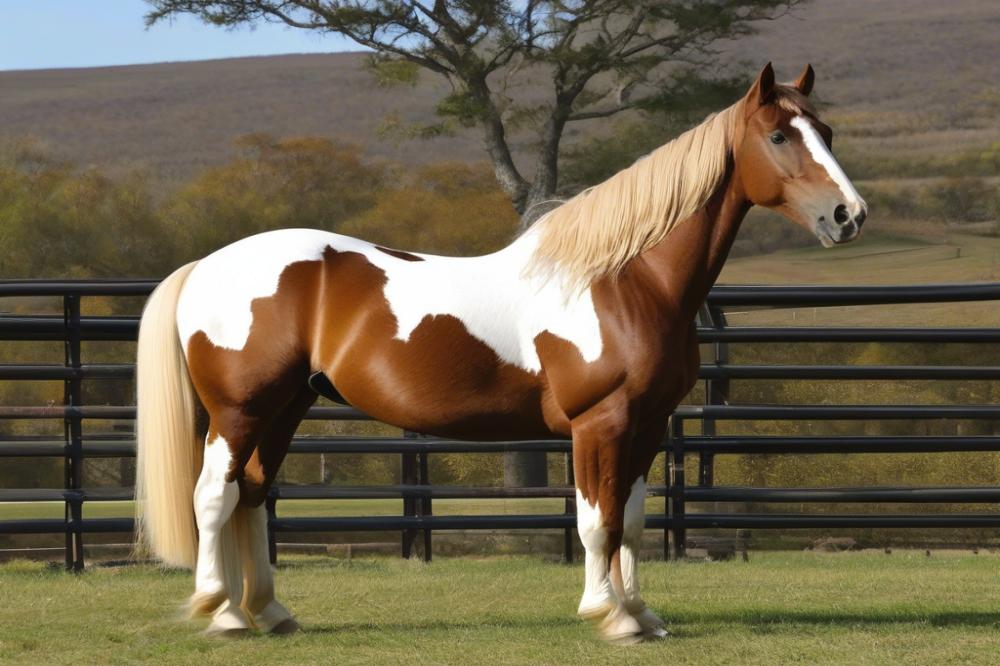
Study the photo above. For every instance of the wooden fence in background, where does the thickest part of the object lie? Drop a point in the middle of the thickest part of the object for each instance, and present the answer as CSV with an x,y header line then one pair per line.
x,y
417,521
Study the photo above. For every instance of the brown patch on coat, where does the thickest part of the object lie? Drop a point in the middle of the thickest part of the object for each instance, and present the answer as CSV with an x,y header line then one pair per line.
x,y
440,381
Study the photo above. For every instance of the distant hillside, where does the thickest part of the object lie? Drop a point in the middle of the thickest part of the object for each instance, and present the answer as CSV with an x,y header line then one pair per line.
x,y
890,69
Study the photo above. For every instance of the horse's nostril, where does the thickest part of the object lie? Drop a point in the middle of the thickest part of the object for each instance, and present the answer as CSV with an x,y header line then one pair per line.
x,y
859,219
840,214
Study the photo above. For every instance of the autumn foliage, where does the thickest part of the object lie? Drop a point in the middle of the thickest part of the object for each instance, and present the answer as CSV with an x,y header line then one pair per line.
x,y
60,221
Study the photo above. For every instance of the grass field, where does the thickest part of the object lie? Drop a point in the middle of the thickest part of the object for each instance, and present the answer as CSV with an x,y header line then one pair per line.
x,y
888,253
779,608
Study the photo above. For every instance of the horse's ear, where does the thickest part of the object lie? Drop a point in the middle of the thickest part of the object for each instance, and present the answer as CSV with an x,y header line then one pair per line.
x,y
804,84
761,90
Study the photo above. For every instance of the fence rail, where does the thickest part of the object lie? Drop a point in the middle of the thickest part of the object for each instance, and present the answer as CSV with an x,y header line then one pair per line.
x,y
416,490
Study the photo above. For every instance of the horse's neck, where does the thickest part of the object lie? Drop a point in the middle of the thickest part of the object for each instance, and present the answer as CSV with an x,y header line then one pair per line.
x,y
682,268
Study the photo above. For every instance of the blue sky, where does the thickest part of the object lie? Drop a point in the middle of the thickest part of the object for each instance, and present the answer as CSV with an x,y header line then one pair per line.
x,y
85,33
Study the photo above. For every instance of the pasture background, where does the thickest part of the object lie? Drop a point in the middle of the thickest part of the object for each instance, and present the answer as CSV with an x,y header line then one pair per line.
x,y
130,171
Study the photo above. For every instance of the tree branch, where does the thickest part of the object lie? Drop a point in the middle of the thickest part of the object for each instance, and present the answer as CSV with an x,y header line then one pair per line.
x,y
468,40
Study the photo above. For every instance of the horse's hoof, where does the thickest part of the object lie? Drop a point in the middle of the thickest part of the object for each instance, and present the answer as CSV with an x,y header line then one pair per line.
x,y
620,628
653,628
596,612
625,639
285,627
228,622
275,619
228,634
655,633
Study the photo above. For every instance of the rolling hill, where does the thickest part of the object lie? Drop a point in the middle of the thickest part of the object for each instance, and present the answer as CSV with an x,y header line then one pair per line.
x,y
900,76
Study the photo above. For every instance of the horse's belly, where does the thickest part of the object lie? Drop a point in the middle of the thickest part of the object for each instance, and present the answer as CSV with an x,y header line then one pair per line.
x,y
440,381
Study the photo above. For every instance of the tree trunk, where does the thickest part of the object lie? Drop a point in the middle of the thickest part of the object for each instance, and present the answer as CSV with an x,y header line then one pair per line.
x,y
541,197
525,469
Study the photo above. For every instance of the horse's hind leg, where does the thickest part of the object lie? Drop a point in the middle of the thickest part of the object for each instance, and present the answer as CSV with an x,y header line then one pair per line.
x,y
221,545
600,461
268,614
215,497
628,562
259,600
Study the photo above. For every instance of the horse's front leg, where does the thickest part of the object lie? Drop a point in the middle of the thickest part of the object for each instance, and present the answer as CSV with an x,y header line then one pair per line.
x,y
628,562
645,446
601,438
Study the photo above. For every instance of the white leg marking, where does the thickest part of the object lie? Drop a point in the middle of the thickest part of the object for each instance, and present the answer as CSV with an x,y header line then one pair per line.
x,y
598,596
214,501
817,148
634,526
269,614
599,602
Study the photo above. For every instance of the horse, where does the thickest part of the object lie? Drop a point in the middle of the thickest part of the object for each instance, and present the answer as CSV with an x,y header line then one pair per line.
x,y
583,327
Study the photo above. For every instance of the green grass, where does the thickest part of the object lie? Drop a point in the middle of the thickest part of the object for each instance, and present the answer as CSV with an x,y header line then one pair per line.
x,y
778,608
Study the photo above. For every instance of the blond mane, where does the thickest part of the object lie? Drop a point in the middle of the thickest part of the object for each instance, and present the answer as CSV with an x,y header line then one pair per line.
x,y
597,232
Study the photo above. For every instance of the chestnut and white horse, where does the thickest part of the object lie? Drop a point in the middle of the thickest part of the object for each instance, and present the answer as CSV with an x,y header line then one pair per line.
x,y
583,327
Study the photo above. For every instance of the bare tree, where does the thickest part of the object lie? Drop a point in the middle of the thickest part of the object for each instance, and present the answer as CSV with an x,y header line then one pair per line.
x,y
596,57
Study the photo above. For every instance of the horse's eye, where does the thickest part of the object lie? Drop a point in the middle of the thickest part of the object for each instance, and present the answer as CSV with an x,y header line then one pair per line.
x,y
777,138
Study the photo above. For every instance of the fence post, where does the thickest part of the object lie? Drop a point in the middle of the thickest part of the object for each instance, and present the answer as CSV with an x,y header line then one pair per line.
x,y
666,494
271,504
424,503
73,430
570,510
408,477
716,392
676,493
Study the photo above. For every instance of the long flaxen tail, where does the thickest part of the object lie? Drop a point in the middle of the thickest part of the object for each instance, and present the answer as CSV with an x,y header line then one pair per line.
x,y
169,450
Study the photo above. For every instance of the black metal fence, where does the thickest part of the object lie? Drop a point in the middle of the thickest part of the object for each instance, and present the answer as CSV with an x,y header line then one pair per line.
x,y
418,492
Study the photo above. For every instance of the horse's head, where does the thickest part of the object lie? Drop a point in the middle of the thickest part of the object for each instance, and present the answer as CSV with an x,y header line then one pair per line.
x,y
786,165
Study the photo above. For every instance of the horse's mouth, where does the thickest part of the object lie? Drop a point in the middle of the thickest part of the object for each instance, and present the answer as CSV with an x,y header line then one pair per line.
x,y
830,234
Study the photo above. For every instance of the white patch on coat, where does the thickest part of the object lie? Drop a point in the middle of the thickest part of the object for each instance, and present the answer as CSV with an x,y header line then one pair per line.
x,y
214,502
817,148
489,295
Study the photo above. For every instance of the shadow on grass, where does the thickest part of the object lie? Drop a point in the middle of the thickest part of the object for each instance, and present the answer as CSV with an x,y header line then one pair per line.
x,y
690,627
765,620
439,625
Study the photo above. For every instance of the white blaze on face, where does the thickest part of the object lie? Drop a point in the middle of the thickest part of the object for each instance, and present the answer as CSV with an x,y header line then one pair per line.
x,y
821,154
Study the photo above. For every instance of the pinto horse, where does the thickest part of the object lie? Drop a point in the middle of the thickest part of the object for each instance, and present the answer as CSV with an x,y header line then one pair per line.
x,y
583,327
